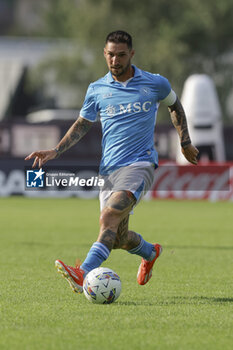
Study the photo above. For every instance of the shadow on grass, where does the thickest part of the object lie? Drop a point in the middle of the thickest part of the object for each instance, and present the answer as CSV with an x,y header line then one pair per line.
x,y
135,303
195,300
178,300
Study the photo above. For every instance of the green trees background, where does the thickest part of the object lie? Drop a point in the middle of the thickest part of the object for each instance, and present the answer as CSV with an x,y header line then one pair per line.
x,y
175,38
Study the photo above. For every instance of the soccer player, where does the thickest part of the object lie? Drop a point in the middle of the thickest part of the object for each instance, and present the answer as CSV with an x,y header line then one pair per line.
x,y
127,100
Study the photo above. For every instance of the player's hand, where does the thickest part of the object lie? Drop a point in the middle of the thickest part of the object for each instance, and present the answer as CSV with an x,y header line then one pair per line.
x,y
190,152
41,157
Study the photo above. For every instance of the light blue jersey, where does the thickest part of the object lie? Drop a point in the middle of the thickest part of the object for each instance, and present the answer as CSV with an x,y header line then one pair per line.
x,y
128,115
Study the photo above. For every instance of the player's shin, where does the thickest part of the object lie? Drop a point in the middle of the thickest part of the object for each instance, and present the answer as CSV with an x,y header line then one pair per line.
x,y
96,255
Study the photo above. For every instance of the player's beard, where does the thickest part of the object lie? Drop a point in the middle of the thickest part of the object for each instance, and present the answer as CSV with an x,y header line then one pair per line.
x,y
121,70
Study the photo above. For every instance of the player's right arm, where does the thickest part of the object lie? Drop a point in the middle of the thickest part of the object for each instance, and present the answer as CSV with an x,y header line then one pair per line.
x,y
80,127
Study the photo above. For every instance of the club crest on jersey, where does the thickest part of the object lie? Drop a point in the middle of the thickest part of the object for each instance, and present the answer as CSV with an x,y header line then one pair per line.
x,y
135,107
110,110
145,91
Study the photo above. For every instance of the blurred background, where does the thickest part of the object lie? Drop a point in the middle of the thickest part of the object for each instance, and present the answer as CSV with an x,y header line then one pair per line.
x,y
50,50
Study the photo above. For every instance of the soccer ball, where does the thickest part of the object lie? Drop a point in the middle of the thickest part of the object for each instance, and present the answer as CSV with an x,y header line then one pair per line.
x,y
102,286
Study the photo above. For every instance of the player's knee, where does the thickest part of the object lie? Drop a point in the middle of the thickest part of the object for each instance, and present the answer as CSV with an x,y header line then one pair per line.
x,y
110,218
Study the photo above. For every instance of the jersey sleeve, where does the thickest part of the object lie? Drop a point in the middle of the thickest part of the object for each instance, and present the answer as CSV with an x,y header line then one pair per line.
x,y
164,87
89,109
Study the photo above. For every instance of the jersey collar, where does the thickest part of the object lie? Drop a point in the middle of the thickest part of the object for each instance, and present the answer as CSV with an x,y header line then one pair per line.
x,y
137,73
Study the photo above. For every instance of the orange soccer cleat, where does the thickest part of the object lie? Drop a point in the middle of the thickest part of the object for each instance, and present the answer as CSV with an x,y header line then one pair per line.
x,y
74,275
146,267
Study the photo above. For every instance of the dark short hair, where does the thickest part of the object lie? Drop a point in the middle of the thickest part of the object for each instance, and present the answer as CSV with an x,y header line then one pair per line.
x,y
119,36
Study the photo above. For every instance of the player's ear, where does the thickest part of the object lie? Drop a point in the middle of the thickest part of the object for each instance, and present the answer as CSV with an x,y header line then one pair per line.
x,y
132,53
104,52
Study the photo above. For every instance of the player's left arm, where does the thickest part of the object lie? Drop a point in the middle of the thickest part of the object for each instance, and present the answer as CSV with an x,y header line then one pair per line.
x,y
179,121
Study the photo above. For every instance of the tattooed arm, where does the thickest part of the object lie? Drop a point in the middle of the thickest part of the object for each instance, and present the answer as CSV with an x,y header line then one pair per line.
x,y
80,127
180,123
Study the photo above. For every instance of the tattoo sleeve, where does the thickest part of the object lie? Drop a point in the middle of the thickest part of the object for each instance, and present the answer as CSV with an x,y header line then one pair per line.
x,y
108,238
126,239
121,200
80,127
179,121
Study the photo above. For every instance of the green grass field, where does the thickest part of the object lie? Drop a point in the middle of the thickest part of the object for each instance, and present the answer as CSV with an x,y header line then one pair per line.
x,y
188,303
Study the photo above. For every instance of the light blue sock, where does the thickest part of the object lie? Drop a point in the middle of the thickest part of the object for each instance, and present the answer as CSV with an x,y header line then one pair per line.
x,y
144,249
96,255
